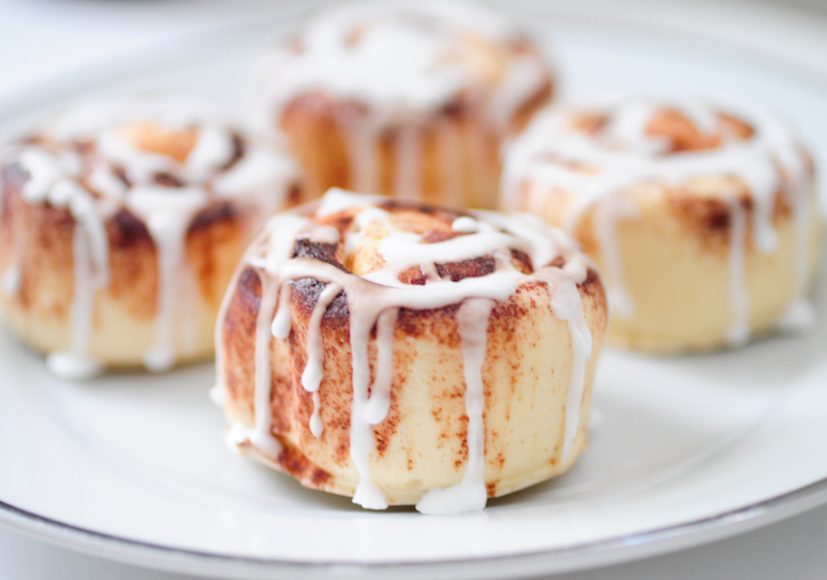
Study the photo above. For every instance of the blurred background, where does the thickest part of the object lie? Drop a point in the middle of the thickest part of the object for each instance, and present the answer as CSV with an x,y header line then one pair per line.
x,y
41,38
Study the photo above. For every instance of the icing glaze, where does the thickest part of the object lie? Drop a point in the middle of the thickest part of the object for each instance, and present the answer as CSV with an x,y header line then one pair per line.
x,y
374,301
314,370
469,494
89,161
600,168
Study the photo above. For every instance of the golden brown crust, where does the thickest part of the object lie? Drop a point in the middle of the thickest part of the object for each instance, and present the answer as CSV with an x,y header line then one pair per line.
x,y
694,208
44,235
38,243
292,406
345,320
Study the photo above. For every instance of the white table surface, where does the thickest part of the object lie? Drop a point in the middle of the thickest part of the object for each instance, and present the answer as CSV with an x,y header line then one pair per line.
x,y
41,38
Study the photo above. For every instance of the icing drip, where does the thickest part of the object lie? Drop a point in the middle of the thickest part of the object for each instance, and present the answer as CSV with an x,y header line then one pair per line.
x,y
738,332
167,217
567,306
402,64
551,154
75,364
361,436
262,436
374,300
53,180
113,171
282,323
380,398
283,234
469,494
314,370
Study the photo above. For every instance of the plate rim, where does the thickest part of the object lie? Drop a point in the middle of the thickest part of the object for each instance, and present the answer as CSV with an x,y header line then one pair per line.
x,y
605,551
614,549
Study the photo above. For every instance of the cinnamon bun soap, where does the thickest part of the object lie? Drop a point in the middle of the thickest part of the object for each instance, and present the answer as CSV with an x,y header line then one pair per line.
x,y
403,354
410,99
122,222
701,217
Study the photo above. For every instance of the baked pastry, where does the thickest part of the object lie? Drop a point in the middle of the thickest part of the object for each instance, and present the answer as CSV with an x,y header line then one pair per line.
x,y
123,220
700,216
411,99
401,353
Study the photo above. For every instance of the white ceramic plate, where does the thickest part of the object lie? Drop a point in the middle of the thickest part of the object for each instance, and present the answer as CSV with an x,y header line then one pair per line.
x,y
688,449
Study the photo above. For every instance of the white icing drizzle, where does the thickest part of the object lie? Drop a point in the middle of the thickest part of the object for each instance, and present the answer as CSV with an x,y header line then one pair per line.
x,y
402,62
738,332
374,300
567,306
283,234
87,182
621,155
262,436
380,397
75,364
282,323
167,217
469,494
314,369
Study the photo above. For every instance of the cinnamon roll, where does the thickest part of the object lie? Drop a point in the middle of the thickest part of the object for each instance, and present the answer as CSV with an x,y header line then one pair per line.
x,y
401,353
122,222
701,216
410,99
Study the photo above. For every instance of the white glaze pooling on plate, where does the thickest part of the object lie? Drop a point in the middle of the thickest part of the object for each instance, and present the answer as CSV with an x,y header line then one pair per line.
x,y
401,63
622,154
375,298
114,173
